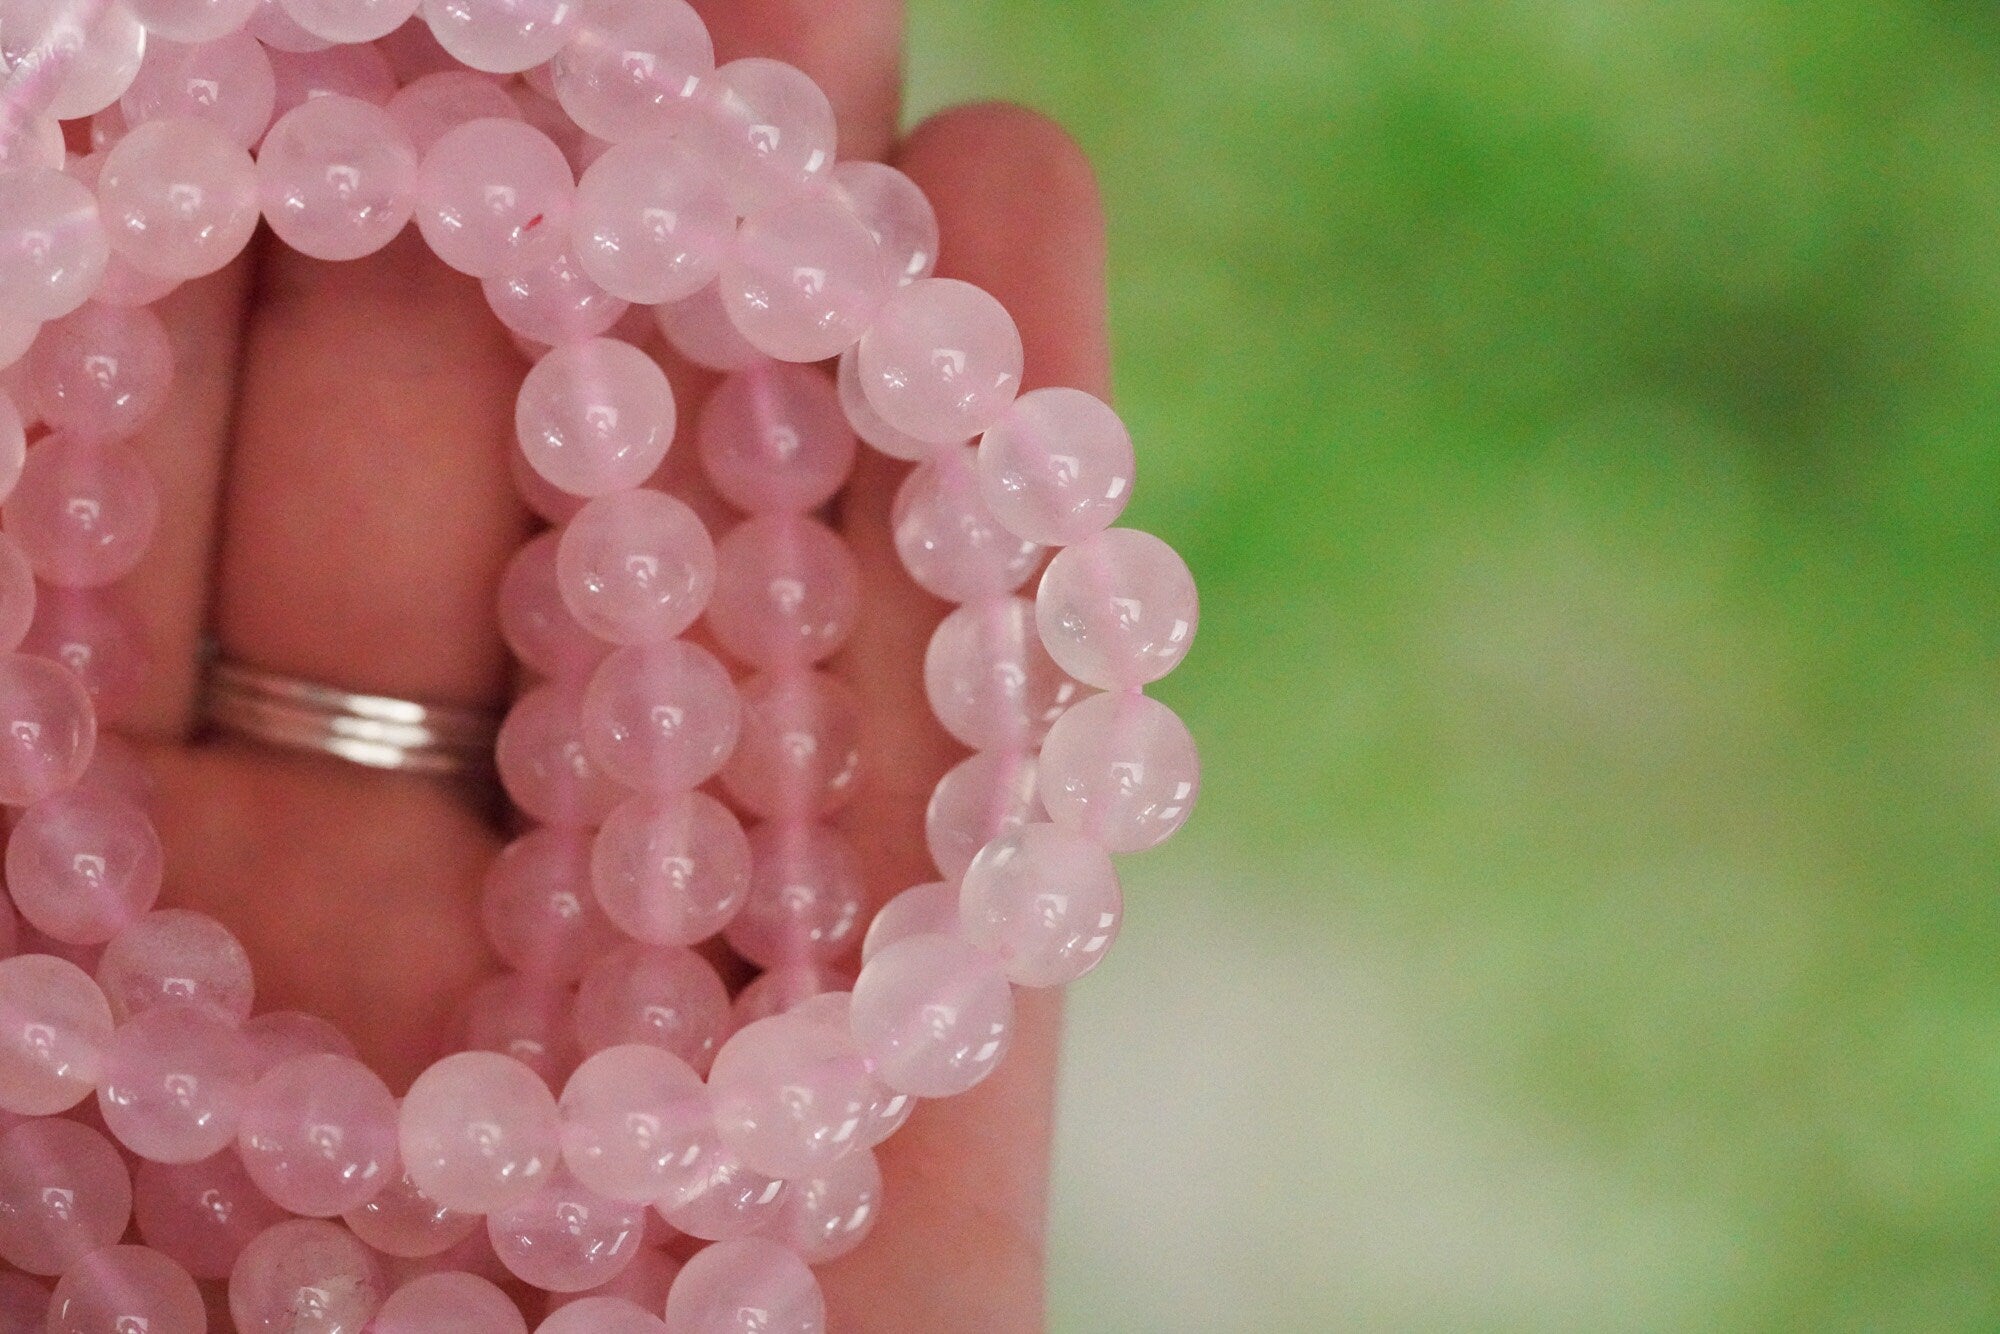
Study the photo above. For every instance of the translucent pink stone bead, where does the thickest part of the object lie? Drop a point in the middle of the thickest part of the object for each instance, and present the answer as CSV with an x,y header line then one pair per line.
x,y
830,1212
97,636
24,1304
663,996
48,728
175,1078
83,511
84,865
350,20
174,956
700,330
427,108
359,72
1122,770
934,1014
602,1315
651,222
982,797
527,1018
1043,900
723,1197
32,141
790,1096
543,763
805,896
336,178
635,1123
671,870
1057,466
772,438
799,752
990,682
449,1303
17,594
192,20
768,127
318,1135
404,1222
201,1215
538,908
178,197
550,299
279,1035
474,1255
948,540
894,210
227,82
636,567
787,987
661,717
501,36
1118,609
55,1029
125,285
479,1131
632,67
595,417
53,243
305,1275
537,625
125,1288
867,423
101,372
71,60
787,592
804,278
919,910
942,361
566,1237
746,1286
64,1192
492,194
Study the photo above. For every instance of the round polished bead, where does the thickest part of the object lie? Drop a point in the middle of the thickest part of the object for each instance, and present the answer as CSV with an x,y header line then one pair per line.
x,y
126,285
276,1036
1118,609
227,82
350,20
786,987
96,634
48,728
595,417
1120,769
773,439
805,896
70,59
201,1215
894,210
663,996
55,1029
1043,900
834,1008
493,193
671,870
24,1304
831,1211
768,127
790,1095
602,1315
527,1018
401,1221
192,20
174,956
804,278
18,595
636,567
990,682
722,1196
661,717
53,243
867,423
83,511
934,1014
651,222
178,197
549,299
926,909
84,865
32,141
643,1286
567,1237
700,330
799,752
318,1135
126,1288
359,72
942,361
64,1192
501,36
746,1286
635,1123
449,1303
787,592
305,1275
980,798
535,621
428,107
633,67
1057,466
538,909
543,763
175,1079
336,178
101,372
947,538
479,1131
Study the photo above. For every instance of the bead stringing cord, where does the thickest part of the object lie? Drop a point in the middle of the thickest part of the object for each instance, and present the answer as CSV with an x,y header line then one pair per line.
x,y
578,159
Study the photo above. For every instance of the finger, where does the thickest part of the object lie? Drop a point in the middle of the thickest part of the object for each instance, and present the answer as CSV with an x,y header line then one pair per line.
x,y
852,48
965,1190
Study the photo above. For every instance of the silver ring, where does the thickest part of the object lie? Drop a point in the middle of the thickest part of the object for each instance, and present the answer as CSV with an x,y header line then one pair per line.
x,y
373,730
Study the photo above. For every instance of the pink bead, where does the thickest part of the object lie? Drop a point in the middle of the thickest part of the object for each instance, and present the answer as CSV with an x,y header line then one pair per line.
x,y
350,20
125,1288
635,1123
192,20
661,718
671,870
201,1215
927,909
746,1286
48,728
24,1304
832,1211
473,1255
126,286
663,996
501,36
69,60
359,72
448,1303
602,1315
805,896
318,1135
787,592
893,209
492,194
179,197
633,67
336,178
1044,901
1057,467
723,1197
537,625
700,330
635,567
227,82
279,1035
948,540
543,763
428,107
527,1018
989,680
1118,609
772,438
102,372
982,797
175,1078
95,634
804,278
538,909
942,361
17,594
404,1222
479,1131
32,141
55,1029
1122,770
307,1274
799,752
934,1014
271,25
768,128
550,299
787,987
174,956
84,512
790,1096
64,1192
543,500
53,243
651,223
566,1237
84,865
595,417
643,1286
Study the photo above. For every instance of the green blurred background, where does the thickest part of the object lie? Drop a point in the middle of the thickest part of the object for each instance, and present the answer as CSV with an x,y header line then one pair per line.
x,y
1581,416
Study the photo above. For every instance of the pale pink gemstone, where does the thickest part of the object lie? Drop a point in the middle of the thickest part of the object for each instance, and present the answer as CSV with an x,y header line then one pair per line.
x,y
787,591
228,82
604,1315
178,197
942,361
101,372
350,20
359,72
549,298
17,335
595,417
893,209
543,763
934,1014
635,567
1118,609
64,1192
651,223
502,36
538,908
980,798
68,60
1043,900
336,178
566,1237
17,594
773,439
805,896
661,717
493,193
318,1135
479,1131
830,1212
24,1304
175,1078
306,1276
192,20
1057,467
636,1121
277,30
125,1288
989,680
404,1222
448,1303
48,728
746,1286
83,511
663,996
96,634
428,107
700,330
279,1035
528,1018
471,1255
768,128
867,423
790,1096
53,243
947,539
175,956
1121,769
84,865
31,141
643,1285
787,987
722,1196
125,285
834,1009
671,870
920,910
55,1029
799,752
804,278
633,66
201,1215
537,625
547,503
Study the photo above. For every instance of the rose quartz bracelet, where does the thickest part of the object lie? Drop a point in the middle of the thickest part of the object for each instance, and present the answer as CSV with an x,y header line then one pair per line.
x,y
609,1097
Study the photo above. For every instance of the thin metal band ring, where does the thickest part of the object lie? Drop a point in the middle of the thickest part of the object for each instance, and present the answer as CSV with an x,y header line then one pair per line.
x,y
378,731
